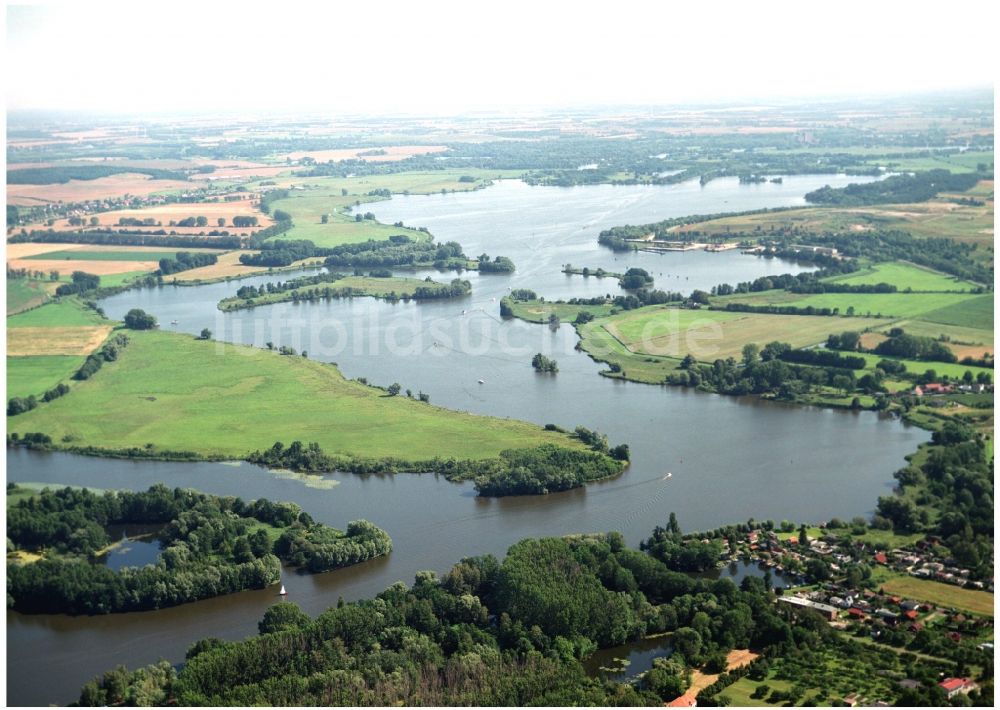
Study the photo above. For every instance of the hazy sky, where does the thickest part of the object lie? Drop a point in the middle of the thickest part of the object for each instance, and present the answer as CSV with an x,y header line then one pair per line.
x,y
428,56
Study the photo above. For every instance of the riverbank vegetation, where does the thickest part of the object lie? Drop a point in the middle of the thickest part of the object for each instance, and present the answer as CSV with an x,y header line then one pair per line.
x,y
327,286
209,546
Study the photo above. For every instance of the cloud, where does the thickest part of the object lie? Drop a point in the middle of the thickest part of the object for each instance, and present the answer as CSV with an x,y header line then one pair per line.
x,y
458,56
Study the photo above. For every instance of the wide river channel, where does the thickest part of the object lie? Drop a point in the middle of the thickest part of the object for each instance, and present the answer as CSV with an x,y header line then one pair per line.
x,y
729,458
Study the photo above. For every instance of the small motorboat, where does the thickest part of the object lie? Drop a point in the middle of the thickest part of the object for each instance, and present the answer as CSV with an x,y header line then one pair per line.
x,y
482,382
173,322
282,593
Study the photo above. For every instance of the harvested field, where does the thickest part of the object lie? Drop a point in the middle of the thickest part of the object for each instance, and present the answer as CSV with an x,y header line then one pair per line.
x,y
229,266
100,268
212,211
82,190
66,340
707,335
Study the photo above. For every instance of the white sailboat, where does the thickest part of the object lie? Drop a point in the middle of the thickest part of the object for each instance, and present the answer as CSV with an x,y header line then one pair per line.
x,y
282,593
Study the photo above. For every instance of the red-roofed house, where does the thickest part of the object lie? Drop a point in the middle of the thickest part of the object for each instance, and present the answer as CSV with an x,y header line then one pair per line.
x,y
856,613
911,614
685,701
881,558
954,686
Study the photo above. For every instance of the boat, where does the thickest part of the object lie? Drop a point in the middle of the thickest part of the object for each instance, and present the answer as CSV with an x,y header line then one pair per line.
x,y
173,322
282,593
482,382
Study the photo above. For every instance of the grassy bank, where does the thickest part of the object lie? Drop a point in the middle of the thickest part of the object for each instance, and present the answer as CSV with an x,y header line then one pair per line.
x,y
219,400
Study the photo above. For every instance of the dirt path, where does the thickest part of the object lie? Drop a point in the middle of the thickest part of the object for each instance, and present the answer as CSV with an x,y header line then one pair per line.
x,y
737,658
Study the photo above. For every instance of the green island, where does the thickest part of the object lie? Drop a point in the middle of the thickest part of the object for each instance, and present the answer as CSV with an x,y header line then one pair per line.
x,y
209,546
328,286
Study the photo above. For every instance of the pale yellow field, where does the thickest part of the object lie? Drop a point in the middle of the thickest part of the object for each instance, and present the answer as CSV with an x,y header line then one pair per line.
x,y
82,190
26,249
228,266
90,266
212,211
64,340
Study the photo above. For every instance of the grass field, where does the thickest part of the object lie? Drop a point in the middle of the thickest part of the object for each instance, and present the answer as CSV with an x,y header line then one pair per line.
x,y
180,393
34,375
119,255
952,369
976,312
23,294
947,595
64,312
964,341
939,217
707,335
962,308
308,207
955,162
906,276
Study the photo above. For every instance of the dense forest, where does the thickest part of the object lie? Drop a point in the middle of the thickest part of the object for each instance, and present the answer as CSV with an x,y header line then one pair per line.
x,y
919,187
65,173
185,260
210,546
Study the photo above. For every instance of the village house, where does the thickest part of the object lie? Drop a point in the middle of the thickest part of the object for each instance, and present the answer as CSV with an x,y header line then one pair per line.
x,y
955,686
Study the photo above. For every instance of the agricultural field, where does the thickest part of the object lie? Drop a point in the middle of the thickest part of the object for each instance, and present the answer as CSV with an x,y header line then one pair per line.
x,y
116,265
62,313
135,184
939,217
55,340
308,207
949,308
34,375
229,267
179,393
964,342
709,335
905,277
973,313
177,211
974,601
23,294
46,345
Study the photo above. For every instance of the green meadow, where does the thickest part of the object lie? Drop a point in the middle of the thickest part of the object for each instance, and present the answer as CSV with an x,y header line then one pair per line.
x,y
218,400
33,375
63,312
27,293
906,276
975,312
951,369
882,305
123,255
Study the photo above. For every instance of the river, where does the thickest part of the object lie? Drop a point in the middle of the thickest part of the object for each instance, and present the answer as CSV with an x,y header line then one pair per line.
x,y
730,458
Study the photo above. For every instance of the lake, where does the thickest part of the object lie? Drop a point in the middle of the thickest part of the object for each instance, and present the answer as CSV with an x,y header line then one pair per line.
x,y
730,458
